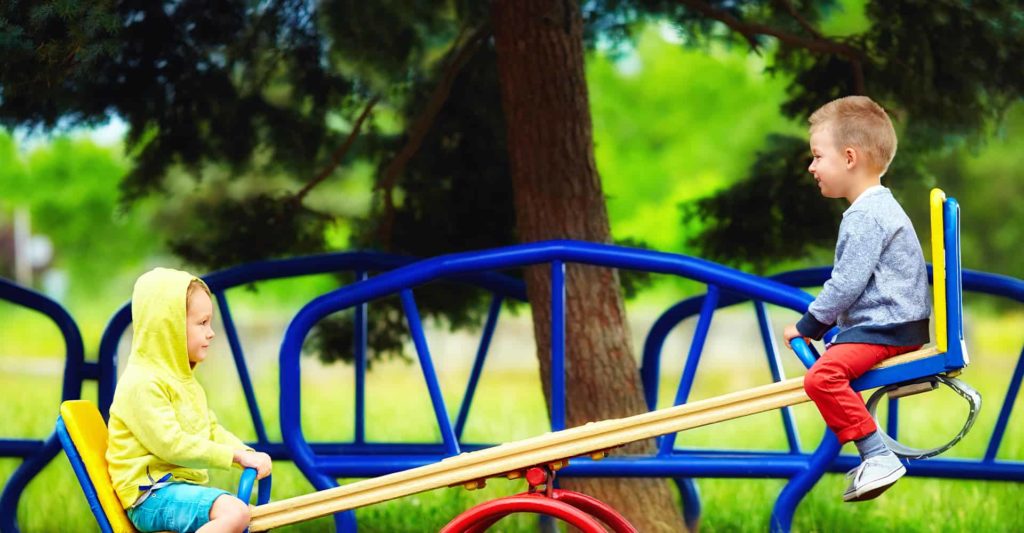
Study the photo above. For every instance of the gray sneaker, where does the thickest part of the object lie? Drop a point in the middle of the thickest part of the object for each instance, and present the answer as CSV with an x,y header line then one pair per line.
x,y
873,477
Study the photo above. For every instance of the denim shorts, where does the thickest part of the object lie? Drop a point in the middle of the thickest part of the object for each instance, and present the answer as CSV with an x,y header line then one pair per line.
x,y
180,507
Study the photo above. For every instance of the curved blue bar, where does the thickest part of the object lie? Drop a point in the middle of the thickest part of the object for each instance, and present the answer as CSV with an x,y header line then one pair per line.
x,y
690,497
606,255
499,259
735,287
695,463
223,280
38,455
973,281
800,483
74,351
245,485
220,281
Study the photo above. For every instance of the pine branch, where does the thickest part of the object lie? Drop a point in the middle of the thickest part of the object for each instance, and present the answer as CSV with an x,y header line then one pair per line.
x,y
749,30
338,154
800,19
418,131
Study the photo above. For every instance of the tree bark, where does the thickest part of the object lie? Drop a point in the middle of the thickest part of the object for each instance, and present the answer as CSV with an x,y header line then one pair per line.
x,y
558,195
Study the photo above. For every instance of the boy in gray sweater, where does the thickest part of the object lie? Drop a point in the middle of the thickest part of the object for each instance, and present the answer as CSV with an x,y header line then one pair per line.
x,y
878,292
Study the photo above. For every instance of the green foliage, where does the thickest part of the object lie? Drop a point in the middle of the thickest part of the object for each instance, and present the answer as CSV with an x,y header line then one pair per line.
x,y
987,183
673,124
761,216
462,164
70,188
197,83
233,108
456,190
946,71
262,226
989,190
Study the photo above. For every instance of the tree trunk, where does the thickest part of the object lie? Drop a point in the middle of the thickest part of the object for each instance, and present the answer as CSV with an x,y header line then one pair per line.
x,y
558,195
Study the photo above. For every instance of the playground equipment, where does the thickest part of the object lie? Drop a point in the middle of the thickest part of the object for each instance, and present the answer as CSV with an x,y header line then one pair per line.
x,y
360,458
555,449
83,435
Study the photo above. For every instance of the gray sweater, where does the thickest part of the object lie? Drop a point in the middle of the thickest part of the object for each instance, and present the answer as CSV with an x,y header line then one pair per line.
x,y
878,293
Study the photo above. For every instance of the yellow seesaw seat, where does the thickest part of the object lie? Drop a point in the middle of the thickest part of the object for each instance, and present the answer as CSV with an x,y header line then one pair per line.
x,y
88,433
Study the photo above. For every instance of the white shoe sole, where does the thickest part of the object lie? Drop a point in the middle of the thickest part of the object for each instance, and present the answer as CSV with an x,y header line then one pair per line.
x,y
872,490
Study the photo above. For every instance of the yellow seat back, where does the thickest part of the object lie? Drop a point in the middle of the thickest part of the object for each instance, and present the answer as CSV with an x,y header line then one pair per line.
x,y
936,200
88,432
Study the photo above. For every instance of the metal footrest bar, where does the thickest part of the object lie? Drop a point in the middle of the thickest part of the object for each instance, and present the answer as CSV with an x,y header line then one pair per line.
x,y
917,387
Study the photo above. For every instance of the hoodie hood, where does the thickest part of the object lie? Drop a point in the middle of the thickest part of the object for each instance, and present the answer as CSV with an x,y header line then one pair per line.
x,y
158,318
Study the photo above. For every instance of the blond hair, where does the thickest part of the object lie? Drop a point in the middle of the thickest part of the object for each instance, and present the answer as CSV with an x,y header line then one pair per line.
x,y
859,122
192,287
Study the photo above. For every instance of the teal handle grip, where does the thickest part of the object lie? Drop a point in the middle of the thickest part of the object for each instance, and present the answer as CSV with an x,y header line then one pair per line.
x,y
245,487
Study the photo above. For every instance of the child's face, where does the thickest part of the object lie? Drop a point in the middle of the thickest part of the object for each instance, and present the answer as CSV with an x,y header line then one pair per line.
x,y
199,325
830,166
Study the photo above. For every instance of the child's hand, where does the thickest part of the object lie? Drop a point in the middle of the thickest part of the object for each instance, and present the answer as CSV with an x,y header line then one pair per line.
x,y
258,460
790,333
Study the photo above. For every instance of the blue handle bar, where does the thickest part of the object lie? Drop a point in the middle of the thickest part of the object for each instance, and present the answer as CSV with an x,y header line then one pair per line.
x,y
245,487
804,351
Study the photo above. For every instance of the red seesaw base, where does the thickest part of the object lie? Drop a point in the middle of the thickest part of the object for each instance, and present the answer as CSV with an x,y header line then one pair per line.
x,y
579,510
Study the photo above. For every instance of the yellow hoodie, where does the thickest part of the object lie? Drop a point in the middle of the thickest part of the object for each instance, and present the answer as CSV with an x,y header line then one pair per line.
x,y
159,420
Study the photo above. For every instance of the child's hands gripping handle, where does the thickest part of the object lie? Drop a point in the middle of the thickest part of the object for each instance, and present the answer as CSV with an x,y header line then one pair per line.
x,y
800,345
257,465
258,460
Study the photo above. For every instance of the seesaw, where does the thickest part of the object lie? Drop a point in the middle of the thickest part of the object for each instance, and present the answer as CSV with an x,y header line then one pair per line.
x,y
538,458
902,375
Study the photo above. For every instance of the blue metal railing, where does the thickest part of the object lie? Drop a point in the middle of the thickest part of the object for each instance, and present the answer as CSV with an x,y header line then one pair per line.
x,y
35,453
352,460
323,462
321,467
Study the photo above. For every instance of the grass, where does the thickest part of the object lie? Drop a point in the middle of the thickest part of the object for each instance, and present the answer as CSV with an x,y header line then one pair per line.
x,y
510,406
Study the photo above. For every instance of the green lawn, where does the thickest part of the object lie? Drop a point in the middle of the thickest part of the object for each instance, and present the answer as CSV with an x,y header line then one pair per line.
x,y
510,407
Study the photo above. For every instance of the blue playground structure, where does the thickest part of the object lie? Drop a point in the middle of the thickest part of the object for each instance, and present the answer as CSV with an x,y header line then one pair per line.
x,y
323,462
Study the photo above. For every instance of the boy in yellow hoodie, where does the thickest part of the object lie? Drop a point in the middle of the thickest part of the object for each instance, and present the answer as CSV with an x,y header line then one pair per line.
x,y
162,435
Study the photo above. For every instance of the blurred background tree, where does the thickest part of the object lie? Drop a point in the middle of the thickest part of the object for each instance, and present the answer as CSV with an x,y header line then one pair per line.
x,y
268,129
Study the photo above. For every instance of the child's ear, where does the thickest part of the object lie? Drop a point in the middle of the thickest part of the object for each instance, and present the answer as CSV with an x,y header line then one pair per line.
x,y
851,157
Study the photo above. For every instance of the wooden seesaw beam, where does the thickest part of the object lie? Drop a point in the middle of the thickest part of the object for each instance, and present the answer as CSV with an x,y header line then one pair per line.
x,y
544,449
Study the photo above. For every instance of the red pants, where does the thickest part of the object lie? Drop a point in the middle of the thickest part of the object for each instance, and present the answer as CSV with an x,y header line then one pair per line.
x,y
828,385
